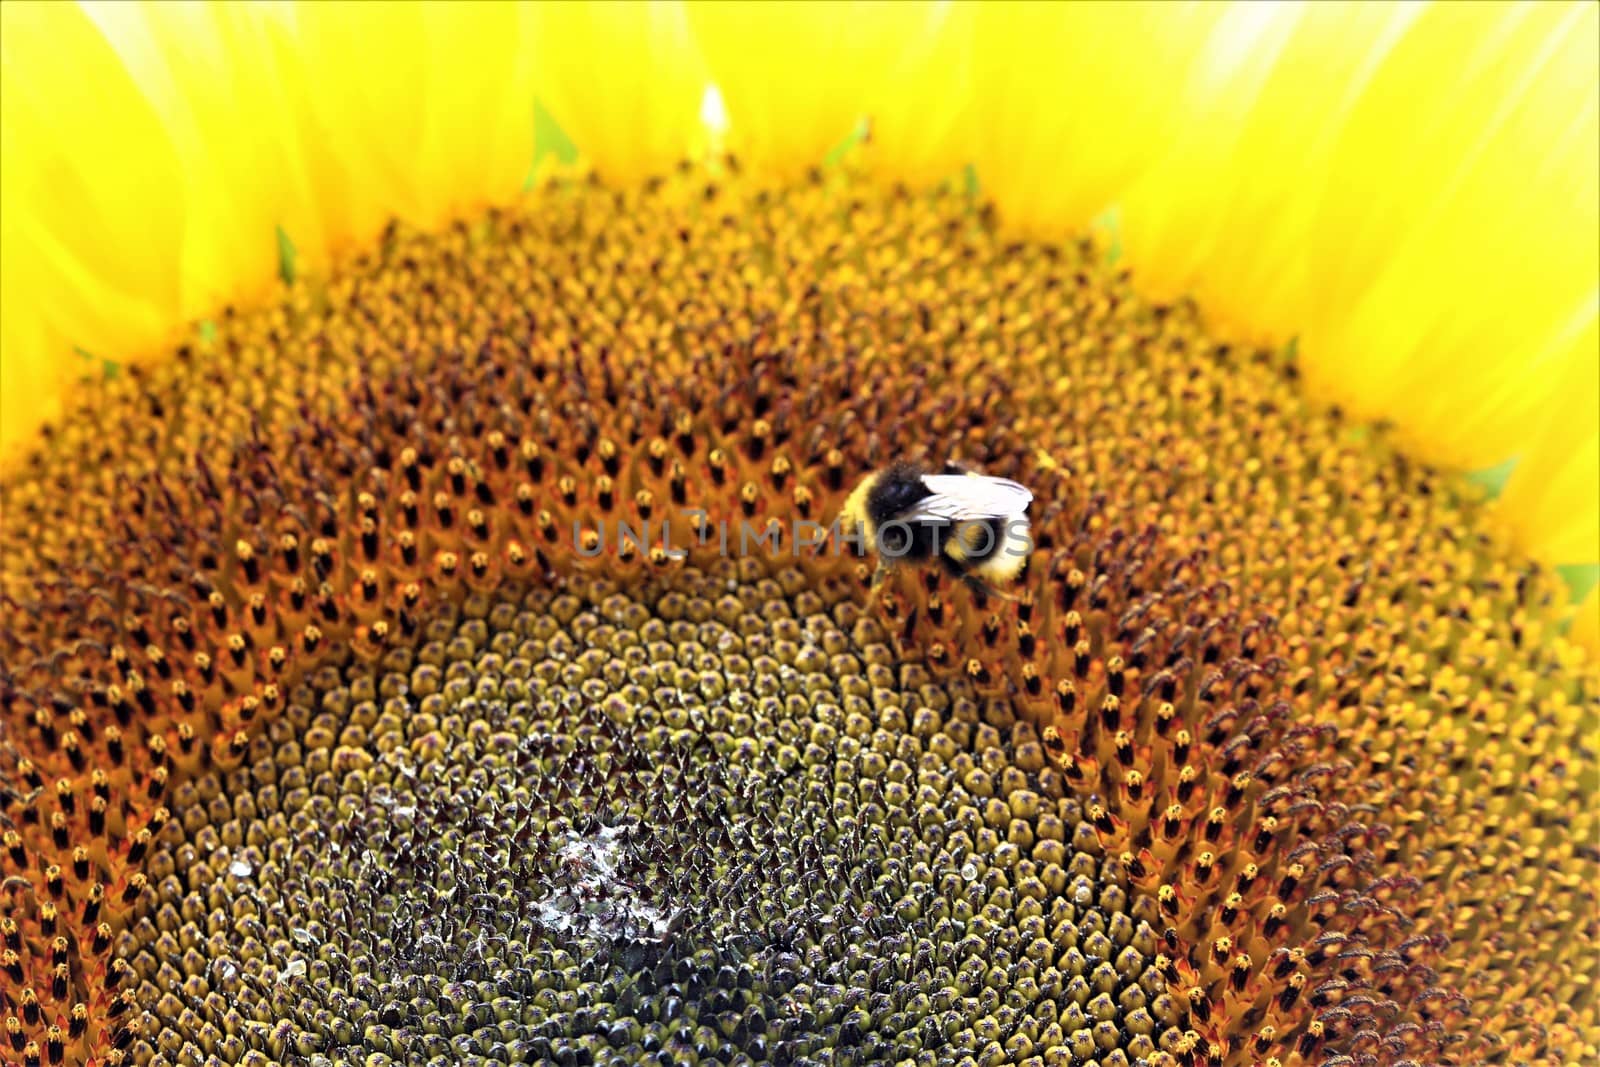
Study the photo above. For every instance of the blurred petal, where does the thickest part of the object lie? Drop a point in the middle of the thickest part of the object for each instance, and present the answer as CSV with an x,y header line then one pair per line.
x,y
924,117
1460,234
204,69
32,383
92,207
797,78
1224,214
624,80
1076,100
133,203
1412,190
419,110
1552,500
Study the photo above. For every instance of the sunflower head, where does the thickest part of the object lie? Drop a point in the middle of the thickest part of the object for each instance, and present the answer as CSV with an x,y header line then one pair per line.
x,y
444,660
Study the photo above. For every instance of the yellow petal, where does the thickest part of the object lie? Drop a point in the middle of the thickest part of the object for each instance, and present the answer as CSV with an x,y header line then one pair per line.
x,y
1552,500
135,201
1410,189
1076,100
1457,241
90,187
797,78
205,71
923,114
624,80
31,384
424,111
1224,213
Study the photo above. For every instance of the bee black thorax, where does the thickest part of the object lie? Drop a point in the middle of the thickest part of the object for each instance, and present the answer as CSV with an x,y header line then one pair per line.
x,y
898,490
895,493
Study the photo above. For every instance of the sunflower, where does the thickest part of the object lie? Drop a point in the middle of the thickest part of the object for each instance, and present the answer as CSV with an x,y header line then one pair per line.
x,y
417,420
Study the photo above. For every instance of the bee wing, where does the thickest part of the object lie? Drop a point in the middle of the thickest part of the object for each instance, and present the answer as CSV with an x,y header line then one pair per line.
x,y
969,497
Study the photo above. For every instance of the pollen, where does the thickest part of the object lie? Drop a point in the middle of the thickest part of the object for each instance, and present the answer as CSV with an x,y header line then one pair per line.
x,y
446,661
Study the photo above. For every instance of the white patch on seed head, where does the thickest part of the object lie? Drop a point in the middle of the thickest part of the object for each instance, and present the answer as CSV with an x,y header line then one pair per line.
x,y
589,901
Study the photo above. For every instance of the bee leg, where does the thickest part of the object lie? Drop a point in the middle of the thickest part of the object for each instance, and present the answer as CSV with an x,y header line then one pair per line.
x,y
880,574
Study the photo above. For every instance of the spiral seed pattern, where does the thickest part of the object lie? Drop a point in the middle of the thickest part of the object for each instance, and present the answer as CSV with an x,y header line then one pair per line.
x,y
343,723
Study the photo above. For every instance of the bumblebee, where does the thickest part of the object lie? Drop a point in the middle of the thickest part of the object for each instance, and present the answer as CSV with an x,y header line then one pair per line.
x,y
974,525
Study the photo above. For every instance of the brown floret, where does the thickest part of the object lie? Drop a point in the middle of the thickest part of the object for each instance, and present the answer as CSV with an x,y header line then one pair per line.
x,y
1273,756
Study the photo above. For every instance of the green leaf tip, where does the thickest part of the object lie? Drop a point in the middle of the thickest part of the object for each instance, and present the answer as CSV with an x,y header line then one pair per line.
x,y
109,369
1492,480
856,136
286,257
1580,578
1107,227
549,139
